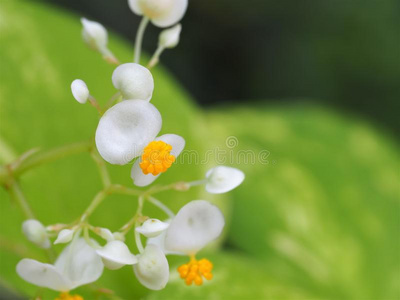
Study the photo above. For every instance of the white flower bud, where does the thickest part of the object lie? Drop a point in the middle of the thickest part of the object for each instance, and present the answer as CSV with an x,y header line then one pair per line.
x,y
119,236
65,236
133,81
80,90
125,129
106,234
223,179
152,228
169,38
152,269
162,13
94,34
36,233
195,225
116,254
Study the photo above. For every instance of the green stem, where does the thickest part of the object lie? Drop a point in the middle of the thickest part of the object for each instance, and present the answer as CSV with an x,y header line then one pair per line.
x,y
104,175
45,157
93,205
161,206
139,39
19,198
138,240
156,57
123,190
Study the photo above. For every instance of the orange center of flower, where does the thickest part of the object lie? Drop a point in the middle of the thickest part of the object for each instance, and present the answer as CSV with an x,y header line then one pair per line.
x,y
194,270
67,296
156,158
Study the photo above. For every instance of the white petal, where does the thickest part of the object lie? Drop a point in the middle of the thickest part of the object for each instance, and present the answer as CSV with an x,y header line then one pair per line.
x,y
174,15
134,6
36,233
94,34
177,142
159,241
133,81
125,129
106,234
222,179
65,236
196,224
79,263
152,228
169,38
80,90
116,254
43,275
152,269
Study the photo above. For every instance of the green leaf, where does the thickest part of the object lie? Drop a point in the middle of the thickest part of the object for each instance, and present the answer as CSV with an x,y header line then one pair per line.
x,y
41,54
321,207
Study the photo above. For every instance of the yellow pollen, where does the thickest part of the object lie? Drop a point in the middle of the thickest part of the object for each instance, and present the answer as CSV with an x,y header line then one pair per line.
x,y
67,296
195,270
156,158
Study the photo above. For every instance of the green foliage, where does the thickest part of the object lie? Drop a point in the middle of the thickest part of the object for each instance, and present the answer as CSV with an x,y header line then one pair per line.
x,y
322,211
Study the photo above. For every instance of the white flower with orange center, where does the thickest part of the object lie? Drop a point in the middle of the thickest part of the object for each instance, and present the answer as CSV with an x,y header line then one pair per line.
x,y
128,130
78,264
196,224
162,13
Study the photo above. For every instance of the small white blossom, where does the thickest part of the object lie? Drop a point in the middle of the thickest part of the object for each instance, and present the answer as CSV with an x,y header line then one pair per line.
x,y
80,91
152,228
195,225
223,179
133,81
116,254
169,38
78,264
95,36
36,233
162,13
128,130
152,269
65,236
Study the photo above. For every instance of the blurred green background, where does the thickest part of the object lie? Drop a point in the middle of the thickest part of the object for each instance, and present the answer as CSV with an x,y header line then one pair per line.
x,y
318,215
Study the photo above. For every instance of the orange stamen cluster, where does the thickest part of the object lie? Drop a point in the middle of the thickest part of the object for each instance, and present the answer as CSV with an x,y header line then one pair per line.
x,y
156,158
194,270
67,296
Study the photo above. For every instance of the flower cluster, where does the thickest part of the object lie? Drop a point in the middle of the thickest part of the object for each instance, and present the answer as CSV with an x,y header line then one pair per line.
x,y
128,133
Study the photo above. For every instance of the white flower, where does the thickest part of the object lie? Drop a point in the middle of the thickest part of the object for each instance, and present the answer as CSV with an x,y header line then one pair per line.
x,y
169,38
128,130
152,228
152,269
223,179
162,13
195,225
116,254
80,90
95,36
65,236
78,264
133,81
36,233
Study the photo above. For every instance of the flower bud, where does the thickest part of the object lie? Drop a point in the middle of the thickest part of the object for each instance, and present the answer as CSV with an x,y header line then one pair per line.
x,y
94,35
152,228
80,90
116,254
133,81
106,234
36,233
223,179
169,38
65,236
